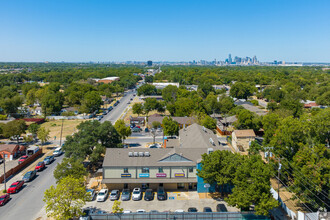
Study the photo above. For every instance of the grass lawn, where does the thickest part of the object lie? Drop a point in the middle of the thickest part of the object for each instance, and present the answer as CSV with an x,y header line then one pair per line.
x,y
54,126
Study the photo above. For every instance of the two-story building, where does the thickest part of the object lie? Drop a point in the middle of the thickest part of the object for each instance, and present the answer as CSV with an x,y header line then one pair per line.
x,y
174,167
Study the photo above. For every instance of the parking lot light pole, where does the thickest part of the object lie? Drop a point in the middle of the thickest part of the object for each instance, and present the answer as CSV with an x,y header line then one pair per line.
x,y
4,170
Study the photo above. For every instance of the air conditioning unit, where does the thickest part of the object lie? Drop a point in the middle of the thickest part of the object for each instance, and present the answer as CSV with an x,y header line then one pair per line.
x,y
141,154
146,154
130,154
136,154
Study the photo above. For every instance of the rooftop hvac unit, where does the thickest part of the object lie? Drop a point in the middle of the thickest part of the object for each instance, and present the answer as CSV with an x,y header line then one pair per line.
x,y
136,154
141,154
130,154
146,154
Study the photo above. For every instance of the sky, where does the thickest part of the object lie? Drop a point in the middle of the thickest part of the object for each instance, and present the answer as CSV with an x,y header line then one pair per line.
x,y
164,30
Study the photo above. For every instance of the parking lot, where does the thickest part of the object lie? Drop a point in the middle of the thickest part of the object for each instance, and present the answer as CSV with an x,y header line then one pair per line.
x,y
175,201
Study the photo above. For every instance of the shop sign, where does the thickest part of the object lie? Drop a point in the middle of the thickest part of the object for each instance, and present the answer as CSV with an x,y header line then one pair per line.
x,y
179,175
144,175
126,175
160,174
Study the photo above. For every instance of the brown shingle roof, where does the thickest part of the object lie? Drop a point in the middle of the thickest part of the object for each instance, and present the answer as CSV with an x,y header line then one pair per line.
x,y
244,133
9,147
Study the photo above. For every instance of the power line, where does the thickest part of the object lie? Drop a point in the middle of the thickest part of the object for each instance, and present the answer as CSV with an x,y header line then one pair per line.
x,y
302,176
309,190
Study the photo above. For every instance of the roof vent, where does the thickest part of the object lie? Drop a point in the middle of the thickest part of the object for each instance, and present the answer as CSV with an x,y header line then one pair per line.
x,y
130,154
136,154
210,150
211,141
146,154
141,154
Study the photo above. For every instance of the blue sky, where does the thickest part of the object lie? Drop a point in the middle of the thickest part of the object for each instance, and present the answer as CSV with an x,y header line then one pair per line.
x,y
106,30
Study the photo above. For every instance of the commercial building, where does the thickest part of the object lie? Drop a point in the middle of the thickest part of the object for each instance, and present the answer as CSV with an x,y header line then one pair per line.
x,y
107,80
174,166
163,85
11,151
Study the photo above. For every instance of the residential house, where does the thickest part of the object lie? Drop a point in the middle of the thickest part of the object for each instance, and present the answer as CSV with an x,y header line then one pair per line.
x,y
241,139
11,151
137,120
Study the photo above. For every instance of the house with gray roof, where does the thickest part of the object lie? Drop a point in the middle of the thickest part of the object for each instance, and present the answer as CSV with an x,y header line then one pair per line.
x,y
174,166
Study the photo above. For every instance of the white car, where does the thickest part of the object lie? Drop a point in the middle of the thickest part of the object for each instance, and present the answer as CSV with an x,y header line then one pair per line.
x,y
140,211
57,152
127,211
137,194
179,210
102,195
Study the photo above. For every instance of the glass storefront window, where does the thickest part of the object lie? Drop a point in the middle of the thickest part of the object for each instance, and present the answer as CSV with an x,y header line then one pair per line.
x,y
125,170
160,170
145,170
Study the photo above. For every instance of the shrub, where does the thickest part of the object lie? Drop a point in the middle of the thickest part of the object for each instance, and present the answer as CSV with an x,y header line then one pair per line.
x,y
3,117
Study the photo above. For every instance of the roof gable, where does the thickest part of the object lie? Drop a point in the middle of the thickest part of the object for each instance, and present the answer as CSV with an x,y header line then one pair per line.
x,y
175,158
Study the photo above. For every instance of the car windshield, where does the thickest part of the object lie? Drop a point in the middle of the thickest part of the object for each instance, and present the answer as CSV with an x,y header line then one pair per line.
x,y
2,198
114,193
101,194
40,163
13,185
27,175
125,192
148,193
160,191
136,192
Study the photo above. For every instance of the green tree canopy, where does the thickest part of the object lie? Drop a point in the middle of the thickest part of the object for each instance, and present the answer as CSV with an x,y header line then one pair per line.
x,y
122,129
69,167
138,108
14,129
170,126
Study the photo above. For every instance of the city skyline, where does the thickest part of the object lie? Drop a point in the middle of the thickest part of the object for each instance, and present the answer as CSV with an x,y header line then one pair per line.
x,y
76,31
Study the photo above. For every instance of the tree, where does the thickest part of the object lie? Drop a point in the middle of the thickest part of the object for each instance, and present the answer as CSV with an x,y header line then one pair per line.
x,y
149,105
170,126
226,104
211,103
147,89
116,207
69,167
52,102
247,120
33,129
169,93
43,135
209,123
92,102
292,105
65,201
270,123
14,129
205,89
184,107
156,124
122,129
242,90
138,108
10,105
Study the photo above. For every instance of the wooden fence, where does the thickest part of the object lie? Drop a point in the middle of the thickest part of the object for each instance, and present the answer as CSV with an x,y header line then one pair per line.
x,y
19,167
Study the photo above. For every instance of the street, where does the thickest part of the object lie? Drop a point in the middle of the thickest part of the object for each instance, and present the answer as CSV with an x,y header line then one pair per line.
x,y
28,201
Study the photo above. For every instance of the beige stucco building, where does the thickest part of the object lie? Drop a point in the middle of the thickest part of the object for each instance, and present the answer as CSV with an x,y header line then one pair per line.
x,y
241,139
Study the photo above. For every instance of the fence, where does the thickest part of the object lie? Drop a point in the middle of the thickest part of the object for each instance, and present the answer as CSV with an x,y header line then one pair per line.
x,y
290,213
181,216
223,132
14,170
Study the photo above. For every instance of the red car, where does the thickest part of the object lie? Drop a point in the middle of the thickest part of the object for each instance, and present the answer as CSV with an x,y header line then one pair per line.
x,y
4,199
22,159
40,166
15,187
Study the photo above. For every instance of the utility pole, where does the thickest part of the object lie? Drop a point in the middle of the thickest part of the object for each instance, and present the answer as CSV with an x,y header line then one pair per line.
x,y
278,178
4,170
61,133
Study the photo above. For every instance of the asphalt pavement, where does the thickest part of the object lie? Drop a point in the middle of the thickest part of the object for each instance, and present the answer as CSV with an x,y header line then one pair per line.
x,y
29,200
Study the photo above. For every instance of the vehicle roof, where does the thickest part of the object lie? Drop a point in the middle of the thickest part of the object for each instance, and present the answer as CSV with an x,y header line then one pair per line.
x,y
58,148
40,162
3,196
103,190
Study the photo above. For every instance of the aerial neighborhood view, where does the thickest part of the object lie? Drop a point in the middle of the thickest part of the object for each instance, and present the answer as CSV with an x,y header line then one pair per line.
x,y
165,110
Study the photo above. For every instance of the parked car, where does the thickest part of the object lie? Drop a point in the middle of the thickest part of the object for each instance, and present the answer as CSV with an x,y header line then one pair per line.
x,y
91,193
140,211
104,113
159,129
153,211
146,130
222,208
29,176
22,159
161,194
131,99
86,214
102,195
179,210
128,102
136,129
114,195
125,195
148,195
137,194
207,209
57,152
15,187
49,160
192,209
40,166
4,199
127,211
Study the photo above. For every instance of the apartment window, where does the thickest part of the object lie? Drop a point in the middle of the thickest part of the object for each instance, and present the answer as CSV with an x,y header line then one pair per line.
x,y
126,170
145,170
191,169
160,170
